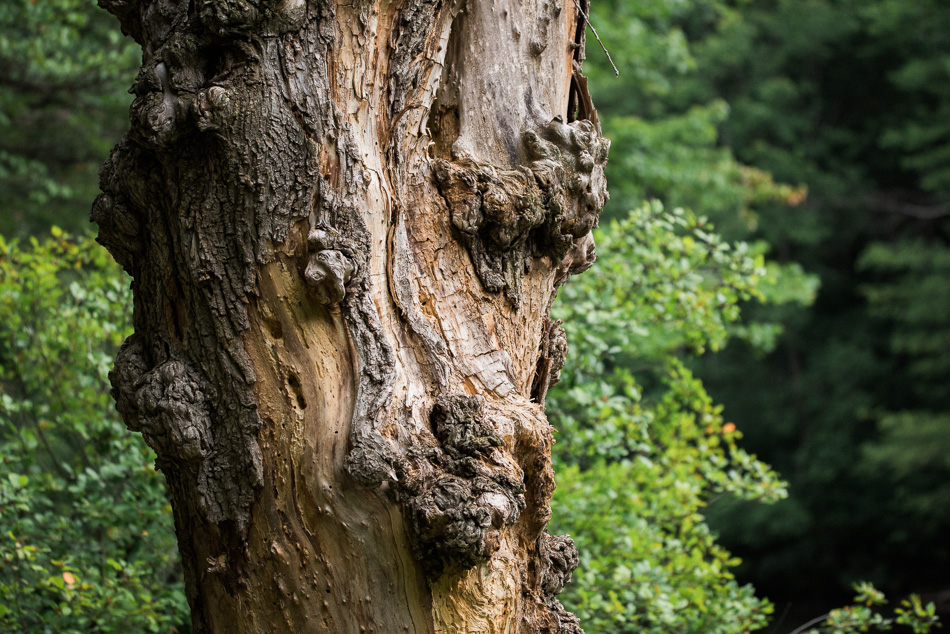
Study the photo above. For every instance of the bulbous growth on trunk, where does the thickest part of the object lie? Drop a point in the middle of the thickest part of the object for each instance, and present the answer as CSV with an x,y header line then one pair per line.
x,y
346,224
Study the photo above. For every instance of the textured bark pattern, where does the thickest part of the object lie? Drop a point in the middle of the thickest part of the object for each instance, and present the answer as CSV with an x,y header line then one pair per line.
x,y
462,491
552,355
346,223
547,208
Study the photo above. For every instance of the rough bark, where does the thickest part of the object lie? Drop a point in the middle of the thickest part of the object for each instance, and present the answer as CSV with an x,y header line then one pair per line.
x,y
346,224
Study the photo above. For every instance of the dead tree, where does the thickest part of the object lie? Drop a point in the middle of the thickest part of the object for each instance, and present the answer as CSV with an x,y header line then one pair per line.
x,y
346,224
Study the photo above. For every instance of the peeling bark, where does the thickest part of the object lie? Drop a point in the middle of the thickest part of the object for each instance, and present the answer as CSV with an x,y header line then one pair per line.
x,y
346,224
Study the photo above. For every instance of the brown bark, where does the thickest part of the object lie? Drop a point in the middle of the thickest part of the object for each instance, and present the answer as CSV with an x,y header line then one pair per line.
x,y
346,223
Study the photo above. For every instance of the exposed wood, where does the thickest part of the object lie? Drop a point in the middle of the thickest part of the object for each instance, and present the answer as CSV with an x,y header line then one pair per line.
x,y
346,224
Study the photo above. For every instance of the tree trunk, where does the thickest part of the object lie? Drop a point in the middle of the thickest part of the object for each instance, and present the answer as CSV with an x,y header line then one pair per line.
x,y
346,224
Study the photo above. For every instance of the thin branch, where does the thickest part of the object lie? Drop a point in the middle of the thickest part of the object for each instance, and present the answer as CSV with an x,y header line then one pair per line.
x,y
777,624
893,204
591,25
814,621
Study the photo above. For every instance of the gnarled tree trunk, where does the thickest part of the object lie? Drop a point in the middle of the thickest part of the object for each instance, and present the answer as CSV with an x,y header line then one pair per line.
x,y
346,223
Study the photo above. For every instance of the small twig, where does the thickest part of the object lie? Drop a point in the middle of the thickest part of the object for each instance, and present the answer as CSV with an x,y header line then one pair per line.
x,y
892,203
591,25
777,624
814,621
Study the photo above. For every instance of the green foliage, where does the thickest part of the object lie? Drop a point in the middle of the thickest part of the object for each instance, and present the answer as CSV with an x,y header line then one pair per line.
x,y
864,616
64,69
849,398
848,100
908,296
909,293
663,148
86,543
647,448
642,448
921,136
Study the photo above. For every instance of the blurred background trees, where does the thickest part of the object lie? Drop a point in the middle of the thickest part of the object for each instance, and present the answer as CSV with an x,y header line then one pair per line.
x,y
850,98
86,536
65,70
845,101
784,294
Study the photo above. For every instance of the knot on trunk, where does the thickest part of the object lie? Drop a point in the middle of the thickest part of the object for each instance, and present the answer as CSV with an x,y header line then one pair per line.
x,y
159,113
118,228
552,353
178,92
173,406
557,559
558,562
546,208
228,16
239,17
462,490
168,403
128,181
568,165
331,265
211,108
